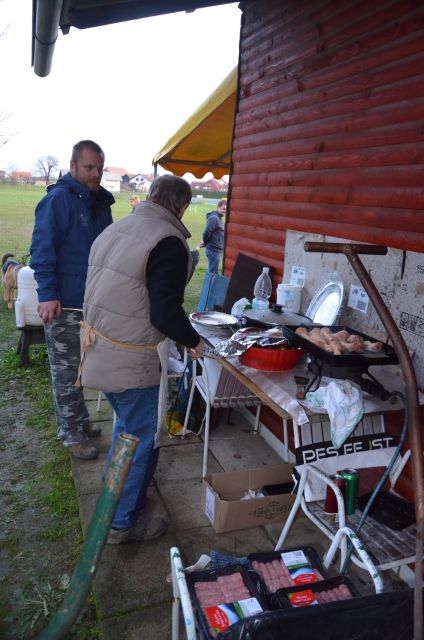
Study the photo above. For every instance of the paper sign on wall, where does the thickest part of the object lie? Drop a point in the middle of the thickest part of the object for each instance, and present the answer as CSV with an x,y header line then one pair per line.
x,y
298,275
358,298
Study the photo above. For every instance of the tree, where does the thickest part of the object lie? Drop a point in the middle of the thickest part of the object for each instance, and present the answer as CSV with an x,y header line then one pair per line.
x,y
11,168
45,165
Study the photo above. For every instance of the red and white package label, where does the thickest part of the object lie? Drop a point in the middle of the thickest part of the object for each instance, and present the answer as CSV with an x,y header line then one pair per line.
x,y
302,598
221,616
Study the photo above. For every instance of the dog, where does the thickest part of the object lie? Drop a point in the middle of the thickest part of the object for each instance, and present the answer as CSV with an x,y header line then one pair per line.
x,y
10,270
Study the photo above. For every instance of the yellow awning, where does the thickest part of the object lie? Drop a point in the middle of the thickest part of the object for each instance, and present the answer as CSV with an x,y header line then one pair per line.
x,y
204,141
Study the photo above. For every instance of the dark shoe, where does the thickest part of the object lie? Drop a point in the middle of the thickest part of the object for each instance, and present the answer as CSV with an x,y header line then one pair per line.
x,y
92,431
84,451
140,532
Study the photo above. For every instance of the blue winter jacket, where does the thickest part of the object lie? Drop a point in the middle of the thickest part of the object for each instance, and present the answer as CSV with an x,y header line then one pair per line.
x,y
67,221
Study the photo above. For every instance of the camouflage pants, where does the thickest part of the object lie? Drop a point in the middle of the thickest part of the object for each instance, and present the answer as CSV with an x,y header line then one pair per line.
x,y
63,347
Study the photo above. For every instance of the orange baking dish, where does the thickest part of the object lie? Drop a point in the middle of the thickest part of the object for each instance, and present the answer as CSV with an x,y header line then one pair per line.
x,y
270,359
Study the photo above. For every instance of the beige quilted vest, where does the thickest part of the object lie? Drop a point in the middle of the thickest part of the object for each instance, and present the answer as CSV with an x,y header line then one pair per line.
x,y
120,354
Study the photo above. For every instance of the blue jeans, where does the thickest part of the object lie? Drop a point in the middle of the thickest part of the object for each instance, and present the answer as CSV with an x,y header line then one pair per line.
x,y
213,256
136,412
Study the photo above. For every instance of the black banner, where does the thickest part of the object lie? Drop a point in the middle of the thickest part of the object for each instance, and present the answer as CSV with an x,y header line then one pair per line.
x,y
317,451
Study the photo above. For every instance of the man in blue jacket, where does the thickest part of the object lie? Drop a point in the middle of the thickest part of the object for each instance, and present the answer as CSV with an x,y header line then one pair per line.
x,y
213,236
67,221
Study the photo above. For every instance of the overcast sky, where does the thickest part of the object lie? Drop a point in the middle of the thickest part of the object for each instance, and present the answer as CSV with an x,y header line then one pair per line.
x,y
128,86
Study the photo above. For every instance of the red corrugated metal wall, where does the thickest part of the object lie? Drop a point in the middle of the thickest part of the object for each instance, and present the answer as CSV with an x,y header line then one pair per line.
x,y
330,126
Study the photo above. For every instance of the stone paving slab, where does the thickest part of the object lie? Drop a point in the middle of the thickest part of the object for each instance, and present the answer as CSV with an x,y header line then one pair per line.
x,y
88,474
133,575
243,452
155,620
183,503
179,464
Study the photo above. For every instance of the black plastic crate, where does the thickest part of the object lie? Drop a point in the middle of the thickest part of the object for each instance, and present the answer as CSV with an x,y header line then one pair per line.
x,y
384,615
311,554
281,599
250,580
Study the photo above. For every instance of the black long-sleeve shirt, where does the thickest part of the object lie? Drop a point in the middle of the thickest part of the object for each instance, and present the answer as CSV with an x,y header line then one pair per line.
x,y
166,275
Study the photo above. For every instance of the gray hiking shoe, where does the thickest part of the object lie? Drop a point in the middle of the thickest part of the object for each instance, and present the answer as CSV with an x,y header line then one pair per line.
x,y
140,531
84,450
92,431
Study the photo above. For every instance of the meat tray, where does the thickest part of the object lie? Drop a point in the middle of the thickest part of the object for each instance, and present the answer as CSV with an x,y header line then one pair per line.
x,y
363,360
250,581
268,556
281,599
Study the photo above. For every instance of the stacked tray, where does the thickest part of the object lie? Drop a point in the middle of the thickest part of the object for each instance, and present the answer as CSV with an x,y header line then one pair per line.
x,y
221,595
306,568
325,592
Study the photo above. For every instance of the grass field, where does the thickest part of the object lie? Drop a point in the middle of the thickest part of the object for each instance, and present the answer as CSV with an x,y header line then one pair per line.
x,y
17,206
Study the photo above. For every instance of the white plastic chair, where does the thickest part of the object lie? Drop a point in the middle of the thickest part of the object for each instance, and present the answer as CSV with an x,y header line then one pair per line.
x,y
220,390
390,549
181,598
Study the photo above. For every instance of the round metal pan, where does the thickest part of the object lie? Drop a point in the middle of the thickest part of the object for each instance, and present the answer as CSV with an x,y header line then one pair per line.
x,y
213,319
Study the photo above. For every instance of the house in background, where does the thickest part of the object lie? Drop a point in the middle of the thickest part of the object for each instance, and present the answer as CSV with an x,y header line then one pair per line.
x,y
209,185
111,181
41,182
119,170
22,177
141,182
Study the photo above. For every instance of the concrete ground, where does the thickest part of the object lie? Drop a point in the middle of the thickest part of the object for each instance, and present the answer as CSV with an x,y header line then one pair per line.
x,y
133,580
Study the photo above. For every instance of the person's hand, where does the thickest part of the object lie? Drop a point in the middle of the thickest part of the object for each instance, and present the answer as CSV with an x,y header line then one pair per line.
x,y
197,352
201,245
48,310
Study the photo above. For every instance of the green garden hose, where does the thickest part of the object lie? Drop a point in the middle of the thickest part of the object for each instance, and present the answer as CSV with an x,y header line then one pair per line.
x,y
85,570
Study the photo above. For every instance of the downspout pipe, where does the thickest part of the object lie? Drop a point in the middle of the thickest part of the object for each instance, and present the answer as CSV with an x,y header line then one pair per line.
x,y
45,27
351,252
100,524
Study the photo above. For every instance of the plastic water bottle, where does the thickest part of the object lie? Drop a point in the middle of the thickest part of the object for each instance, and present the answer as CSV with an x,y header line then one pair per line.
x,y
262,290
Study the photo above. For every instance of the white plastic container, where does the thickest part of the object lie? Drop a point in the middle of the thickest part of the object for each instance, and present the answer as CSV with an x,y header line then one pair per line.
x,y
19,313
289,296
27,300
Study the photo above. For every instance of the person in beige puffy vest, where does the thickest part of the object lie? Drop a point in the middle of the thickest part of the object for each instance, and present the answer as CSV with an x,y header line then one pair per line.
x,y
137,273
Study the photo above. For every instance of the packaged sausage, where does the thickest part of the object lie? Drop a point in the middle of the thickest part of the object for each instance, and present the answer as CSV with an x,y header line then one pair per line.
x,y
222,597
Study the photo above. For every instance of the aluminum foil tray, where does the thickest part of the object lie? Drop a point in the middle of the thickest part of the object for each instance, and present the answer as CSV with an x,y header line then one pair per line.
x,y
364,360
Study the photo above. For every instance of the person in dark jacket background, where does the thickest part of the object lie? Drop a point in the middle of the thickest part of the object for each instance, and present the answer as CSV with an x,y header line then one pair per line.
x,y
67,221
213,236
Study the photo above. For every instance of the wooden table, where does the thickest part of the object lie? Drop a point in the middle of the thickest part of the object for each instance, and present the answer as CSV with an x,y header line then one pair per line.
x,y
277,389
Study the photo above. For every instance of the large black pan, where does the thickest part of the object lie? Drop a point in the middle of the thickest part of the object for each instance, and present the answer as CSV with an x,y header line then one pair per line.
x,y
365,359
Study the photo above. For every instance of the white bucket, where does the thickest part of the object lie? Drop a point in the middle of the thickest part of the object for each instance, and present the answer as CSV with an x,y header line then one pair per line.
x,y
289,296
27,300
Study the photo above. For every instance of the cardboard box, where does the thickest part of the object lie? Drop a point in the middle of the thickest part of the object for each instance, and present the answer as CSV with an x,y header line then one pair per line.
x,y
222,493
